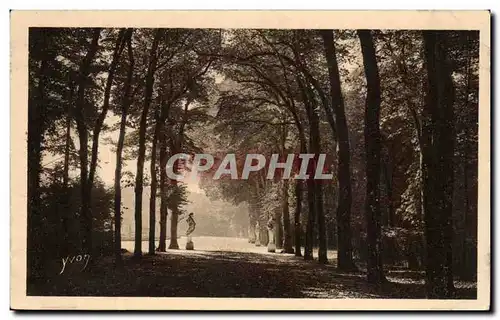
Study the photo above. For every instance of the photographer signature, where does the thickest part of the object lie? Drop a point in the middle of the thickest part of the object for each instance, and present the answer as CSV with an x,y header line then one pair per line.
x,y
73,259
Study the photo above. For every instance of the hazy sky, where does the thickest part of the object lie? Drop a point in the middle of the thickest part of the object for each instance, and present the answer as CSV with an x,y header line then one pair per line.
x,y
107,157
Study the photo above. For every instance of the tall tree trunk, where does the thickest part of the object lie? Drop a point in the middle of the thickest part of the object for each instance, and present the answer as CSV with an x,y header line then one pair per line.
x,y
278,227
174,217
467,270
81,126
322,251
471,170
162,247
471,213
148,92
298,208
257,214
286,220
446,165
317,187
152,198
119,150
36,121
314,192
437,170
469,256
464,274
389,221
118,191
263,233
470,218
119,45
176,147
174,221
298,190
375,272
102,116
311,199
282,217
278,231
252,220
67,242
344,253
388,182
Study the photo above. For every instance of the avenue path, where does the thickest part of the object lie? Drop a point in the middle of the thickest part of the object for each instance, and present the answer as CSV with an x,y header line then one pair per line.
x,y
231,267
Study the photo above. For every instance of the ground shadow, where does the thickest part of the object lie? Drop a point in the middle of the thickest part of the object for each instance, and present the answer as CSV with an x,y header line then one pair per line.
x,y
180,273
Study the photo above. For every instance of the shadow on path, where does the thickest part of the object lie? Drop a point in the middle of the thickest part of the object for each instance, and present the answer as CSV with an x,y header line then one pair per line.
x,y
180,273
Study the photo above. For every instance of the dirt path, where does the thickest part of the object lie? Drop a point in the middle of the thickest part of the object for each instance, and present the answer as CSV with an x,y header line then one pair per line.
x,y
181,273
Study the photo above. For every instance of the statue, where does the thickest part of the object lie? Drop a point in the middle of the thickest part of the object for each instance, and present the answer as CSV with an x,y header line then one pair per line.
x,y
271,246
191,226
257,234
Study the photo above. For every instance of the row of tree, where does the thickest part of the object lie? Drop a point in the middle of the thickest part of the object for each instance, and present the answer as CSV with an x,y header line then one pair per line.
x,y
155,81
397,109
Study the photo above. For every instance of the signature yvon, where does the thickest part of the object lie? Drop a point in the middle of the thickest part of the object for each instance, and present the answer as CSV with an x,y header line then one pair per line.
x,y
84,259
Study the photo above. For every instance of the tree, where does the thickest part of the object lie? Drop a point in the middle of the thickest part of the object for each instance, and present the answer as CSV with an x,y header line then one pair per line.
x,y
54,105
162,247
119,45
344,251
298,209
152,199
311,185
372,145
148,92
437,165
126,101
81,125
40,57
67,150
287,244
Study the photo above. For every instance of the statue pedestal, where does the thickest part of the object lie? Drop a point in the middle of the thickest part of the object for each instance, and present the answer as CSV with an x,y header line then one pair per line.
x,y
189,244
271,246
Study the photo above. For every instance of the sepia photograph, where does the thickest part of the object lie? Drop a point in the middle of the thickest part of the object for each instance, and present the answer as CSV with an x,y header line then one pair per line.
x,y
287,161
